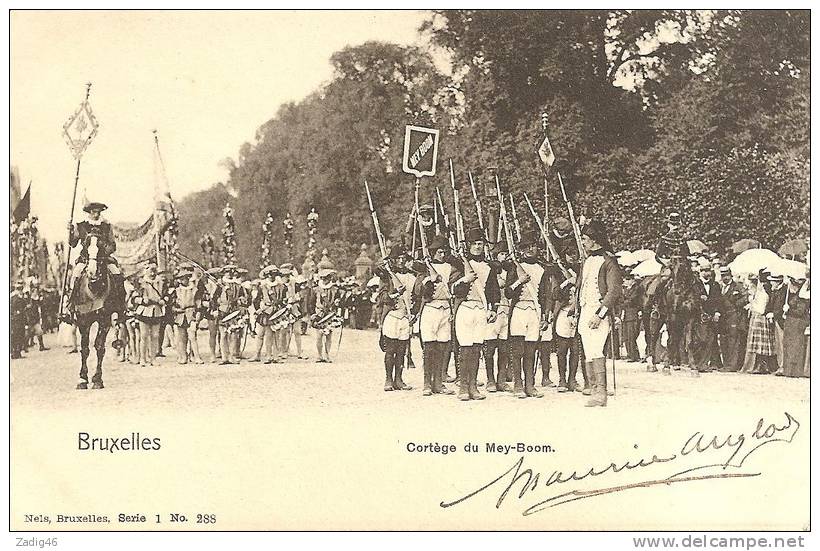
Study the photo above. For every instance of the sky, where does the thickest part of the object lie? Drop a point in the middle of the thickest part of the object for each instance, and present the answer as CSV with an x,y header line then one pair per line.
x,y
204,80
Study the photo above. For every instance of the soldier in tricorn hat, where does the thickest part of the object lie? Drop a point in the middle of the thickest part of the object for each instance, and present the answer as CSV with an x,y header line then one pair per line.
x,y
479,293
497,365
432,303
395,298
531,306
600,285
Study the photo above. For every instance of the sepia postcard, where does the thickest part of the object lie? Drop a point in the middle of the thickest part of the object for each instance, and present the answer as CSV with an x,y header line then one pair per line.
x,y
412,270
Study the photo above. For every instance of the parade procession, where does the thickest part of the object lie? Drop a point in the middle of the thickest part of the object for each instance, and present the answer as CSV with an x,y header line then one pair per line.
x,y
480,280
507,296
447,269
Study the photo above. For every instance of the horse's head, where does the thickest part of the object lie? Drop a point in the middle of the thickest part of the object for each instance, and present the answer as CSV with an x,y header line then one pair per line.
x,y
97,271
92,248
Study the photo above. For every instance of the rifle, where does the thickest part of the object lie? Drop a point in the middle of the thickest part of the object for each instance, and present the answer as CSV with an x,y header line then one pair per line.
x,y
425,251
515,218
520,272
458,219
576,230
383,249
450,235
547,217
435,216
460,241
575,227
480,215
568,274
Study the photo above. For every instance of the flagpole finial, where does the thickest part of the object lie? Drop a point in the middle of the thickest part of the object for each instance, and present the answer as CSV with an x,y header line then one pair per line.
x,y
87,90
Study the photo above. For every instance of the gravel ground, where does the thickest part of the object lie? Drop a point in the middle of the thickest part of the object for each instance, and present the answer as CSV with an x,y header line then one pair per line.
x,y
303,445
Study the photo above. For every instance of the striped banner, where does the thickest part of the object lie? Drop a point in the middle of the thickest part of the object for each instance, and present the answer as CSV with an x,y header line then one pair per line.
x,y
135,245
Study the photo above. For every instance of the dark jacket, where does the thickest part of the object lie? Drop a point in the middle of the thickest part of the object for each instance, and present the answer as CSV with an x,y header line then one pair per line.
x,y
546,288
106,245
492,291
610,282
713,301
733,313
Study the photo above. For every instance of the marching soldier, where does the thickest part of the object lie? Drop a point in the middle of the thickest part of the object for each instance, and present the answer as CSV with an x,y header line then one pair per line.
x,y
600,287
395,326
531,306
432,303
288,298
150,308
132,322
208,311
479,293
498,331
426,225
230,301
547,342
186,297
327,296
297,289
266,304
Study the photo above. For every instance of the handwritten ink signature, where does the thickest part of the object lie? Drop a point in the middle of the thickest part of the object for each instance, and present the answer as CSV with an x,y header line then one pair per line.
x,y
698,445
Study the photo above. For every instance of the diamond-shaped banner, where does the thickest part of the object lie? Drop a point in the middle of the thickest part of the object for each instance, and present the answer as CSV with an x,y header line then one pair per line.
x,y
80,129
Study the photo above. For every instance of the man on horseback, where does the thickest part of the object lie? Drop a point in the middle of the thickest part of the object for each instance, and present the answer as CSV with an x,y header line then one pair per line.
x,y
97,250
672,245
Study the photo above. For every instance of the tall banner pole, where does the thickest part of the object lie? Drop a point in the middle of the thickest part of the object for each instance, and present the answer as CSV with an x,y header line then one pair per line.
x,y
547,215
76,123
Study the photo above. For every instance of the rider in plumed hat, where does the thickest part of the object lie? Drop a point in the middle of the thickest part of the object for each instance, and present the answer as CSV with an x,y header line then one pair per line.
x,y
101,249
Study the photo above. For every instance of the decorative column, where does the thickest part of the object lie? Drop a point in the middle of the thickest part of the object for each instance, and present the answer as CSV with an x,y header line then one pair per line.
x,y
312,221
267,241
229,236
287,224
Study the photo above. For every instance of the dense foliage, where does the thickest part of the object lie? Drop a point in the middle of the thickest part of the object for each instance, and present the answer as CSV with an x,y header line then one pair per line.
x,y
703,112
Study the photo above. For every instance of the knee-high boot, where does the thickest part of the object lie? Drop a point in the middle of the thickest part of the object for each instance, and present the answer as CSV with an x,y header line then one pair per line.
x,y
589,378
463,373
472,367
544,355
516,360
398,383
428,358
598,397
441,355
489,348
503,366
528,367
389,362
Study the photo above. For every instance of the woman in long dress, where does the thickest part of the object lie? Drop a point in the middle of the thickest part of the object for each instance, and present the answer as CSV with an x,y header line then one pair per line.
x,y
760,346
